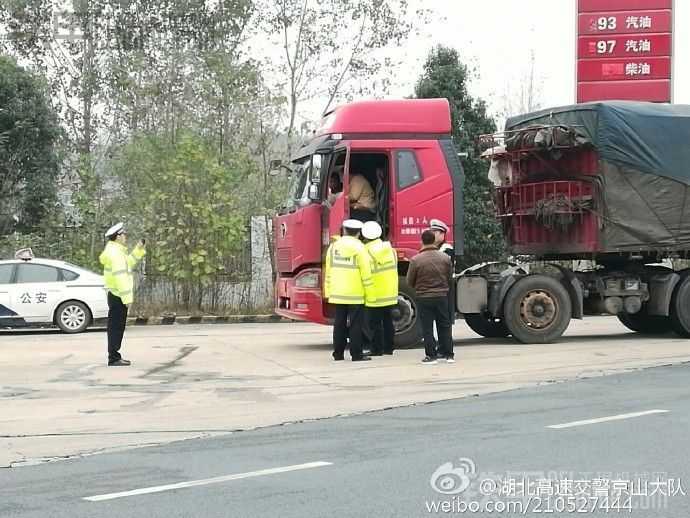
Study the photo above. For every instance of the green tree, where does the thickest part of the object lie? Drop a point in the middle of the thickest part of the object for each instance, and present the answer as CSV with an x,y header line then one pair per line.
x,y
188,204
123,67
445,76
29,162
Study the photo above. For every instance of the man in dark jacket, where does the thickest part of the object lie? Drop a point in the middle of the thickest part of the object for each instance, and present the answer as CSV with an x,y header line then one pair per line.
x,y
430,275
440,229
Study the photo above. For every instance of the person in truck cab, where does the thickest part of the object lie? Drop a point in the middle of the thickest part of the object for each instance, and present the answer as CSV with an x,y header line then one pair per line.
x,y
335,185
362,199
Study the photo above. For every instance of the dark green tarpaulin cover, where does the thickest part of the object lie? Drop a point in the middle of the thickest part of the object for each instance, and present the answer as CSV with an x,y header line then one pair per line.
x,y
644,169
649,137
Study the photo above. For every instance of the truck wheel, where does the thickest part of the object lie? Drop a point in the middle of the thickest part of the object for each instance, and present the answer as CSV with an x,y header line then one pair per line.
x,y
680,306
408,328
537,309
484,324
646,324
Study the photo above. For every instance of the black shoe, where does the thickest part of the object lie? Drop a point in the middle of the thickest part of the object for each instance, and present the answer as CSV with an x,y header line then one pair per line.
x,y
338,357
388,353
429,360
362,359
373,353
119,363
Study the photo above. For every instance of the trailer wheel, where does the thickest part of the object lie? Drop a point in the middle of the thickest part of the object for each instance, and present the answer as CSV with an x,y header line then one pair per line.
x,y
537,309
679,319
408,328
484,324
646,324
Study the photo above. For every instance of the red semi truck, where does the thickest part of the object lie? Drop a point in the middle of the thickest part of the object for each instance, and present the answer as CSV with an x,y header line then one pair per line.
x,y
602,184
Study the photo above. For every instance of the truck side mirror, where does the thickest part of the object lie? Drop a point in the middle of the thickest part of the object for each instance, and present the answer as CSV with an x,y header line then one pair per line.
x,y
313,192
316,166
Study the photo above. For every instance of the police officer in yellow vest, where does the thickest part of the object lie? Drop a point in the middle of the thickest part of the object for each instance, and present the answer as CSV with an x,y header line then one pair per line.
x,y
119,283
348,285
384,274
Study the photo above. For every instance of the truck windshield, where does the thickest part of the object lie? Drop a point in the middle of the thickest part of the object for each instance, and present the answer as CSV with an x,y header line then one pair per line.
x,y
297,188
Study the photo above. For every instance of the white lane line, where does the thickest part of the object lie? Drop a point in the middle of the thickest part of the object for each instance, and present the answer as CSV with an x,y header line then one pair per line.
x,y
203,482
604,419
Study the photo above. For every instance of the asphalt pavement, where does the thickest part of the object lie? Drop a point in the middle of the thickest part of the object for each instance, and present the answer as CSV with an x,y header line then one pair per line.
x,y
58,398
619,435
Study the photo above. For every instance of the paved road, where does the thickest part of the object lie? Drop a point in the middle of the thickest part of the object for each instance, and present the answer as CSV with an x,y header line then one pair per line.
x,y
381,463
58,399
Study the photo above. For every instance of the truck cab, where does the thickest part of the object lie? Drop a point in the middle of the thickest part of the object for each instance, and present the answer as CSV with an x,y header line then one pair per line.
x,y
404,151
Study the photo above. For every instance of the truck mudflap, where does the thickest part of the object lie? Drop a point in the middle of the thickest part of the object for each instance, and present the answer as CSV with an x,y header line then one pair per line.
x,y
661,288
571,284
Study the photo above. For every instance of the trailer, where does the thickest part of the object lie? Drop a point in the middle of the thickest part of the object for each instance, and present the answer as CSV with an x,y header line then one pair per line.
x,y
597,196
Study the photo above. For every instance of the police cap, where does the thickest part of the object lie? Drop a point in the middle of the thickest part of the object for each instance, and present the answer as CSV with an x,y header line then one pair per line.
x,y
353,224
115,229
371,230
437,224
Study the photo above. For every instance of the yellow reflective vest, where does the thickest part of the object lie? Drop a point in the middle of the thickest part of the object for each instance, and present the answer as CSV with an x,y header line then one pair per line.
x,y
348,273
384,273
117,269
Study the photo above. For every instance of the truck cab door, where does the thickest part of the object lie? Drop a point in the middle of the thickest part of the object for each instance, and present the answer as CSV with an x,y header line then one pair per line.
x,y
336,207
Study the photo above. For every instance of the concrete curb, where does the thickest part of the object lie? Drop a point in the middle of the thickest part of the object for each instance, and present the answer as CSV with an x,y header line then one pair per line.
x,y
209,319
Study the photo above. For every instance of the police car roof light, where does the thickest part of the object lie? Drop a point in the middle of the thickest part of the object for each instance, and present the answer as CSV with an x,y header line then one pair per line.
x,y
25,254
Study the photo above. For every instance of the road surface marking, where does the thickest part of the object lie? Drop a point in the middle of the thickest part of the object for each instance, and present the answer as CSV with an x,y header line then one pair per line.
x,y
203,482
604,419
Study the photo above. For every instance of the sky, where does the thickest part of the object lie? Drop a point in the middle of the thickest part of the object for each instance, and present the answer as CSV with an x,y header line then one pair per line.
x,y
498,37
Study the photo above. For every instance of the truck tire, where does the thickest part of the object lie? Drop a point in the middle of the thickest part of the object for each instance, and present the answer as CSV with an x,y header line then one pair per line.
x,y
408,328
484,324
537,309
679,312
646,324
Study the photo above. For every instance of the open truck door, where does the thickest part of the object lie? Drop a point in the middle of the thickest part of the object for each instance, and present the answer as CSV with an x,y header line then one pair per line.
x,y
336,204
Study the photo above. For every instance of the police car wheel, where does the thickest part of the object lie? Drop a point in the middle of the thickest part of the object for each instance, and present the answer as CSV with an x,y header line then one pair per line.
x,y
72,316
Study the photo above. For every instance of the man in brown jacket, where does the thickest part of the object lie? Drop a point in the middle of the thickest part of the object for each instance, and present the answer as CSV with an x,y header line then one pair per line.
x,y
430,275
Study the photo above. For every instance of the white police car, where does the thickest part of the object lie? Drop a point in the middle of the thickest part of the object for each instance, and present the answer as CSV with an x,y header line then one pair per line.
x,y
43,291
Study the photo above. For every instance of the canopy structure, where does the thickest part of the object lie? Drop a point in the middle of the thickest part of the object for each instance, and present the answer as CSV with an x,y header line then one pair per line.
x,y
649,137
643,152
